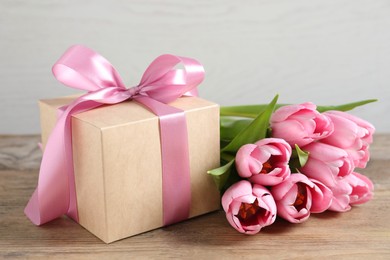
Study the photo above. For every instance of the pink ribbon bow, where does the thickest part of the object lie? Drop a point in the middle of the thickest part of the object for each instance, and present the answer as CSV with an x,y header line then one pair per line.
x,y
82,68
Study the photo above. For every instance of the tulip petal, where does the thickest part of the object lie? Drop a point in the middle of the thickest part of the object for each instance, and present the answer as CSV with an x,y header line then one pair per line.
x,y
341,199
237,190
279,191
284,112
321,197
245,162
325,152
235,222
345,131
319,170
362,188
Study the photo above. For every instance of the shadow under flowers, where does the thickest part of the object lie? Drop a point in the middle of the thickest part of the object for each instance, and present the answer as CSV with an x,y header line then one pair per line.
x,y
214,230
327,215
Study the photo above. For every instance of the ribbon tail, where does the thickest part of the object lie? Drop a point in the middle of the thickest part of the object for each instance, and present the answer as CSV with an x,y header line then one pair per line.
x,y
55,194
51,197
175,160
32,209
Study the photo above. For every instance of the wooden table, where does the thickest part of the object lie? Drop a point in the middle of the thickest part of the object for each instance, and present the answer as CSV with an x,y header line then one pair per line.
x,y
362,233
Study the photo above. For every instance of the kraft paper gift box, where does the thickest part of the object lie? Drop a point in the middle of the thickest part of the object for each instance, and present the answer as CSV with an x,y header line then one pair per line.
x,y
117,163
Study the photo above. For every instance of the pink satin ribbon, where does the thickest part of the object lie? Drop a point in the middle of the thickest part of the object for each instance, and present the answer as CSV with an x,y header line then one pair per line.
x,y
162,83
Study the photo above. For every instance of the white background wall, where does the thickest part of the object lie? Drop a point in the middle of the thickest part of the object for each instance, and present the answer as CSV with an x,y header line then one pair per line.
x,y
327,51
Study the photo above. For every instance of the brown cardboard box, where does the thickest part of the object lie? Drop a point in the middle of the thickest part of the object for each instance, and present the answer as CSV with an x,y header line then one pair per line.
x,y
117,163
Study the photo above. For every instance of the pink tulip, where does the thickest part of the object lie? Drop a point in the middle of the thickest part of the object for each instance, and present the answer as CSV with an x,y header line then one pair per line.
x,y
326,163
265,162
300,124
351,134
354,189
248,207
298,196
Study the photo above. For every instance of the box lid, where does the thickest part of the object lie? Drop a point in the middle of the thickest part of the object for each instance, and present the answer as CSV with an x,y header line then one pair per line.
x,y
108,116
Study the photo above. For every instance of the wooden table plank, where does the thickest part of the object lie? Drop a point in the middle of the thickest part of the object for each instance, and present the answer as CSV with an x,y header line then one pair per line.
x,y
362,233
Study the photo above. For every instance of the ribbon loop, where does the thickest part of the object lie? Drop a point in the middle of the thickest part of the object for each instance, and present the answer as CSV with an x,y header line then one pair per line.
x,y
82,68
165,83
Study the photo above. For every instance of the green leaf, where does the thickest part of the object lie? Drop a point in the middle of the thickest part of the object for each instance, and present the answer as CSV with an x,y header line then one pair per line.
x,y
302,156
249,111
231,126
346,107
221,174
255,131
221,170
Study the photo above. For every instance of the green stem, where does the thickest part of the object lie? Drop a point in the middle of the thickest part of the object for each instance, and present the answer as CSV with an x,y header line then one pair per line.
x,y
248,111
237,114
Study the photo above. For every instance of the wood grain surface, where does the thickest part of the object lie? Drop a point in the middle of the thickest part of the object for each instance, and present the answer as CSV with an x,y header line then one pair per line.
x,y
362,233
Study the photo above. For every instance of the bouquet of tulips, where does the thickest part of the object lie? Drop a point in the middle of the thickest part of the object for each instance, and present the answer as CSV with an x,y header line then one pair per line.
x,y
291,161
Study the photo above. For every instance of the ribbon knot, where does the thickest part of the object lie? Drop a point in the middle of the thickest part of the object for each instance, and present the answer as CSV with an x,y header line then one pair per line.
x,y
133,91
161,83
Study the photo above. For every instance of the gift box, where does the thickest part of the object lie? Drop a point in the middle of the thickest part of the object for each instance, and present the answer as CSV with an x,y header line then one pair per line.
x,y
117,163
